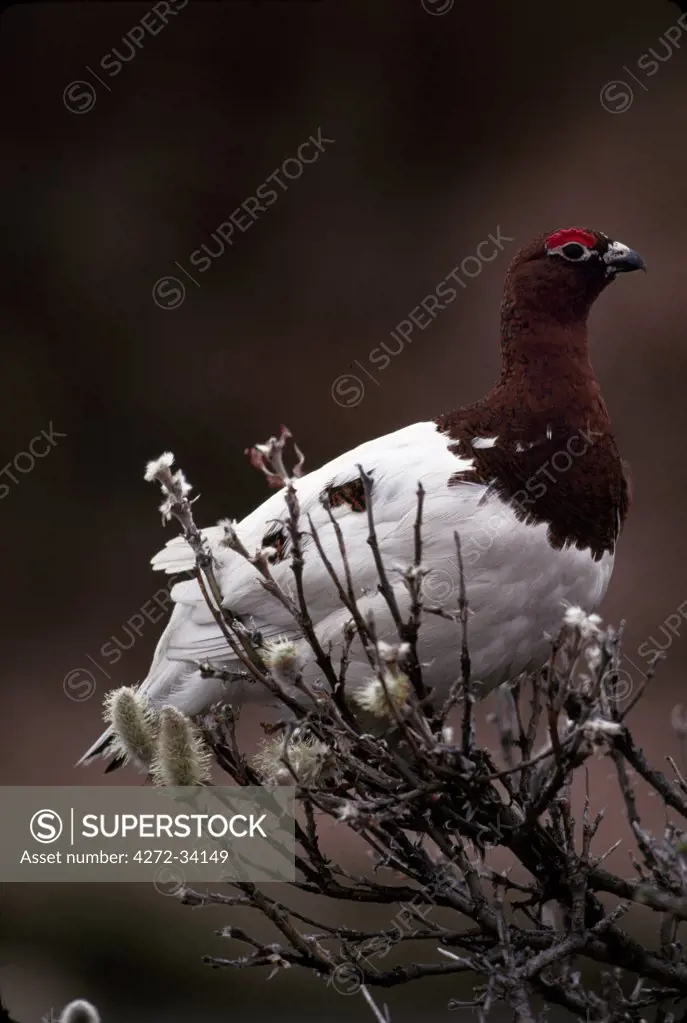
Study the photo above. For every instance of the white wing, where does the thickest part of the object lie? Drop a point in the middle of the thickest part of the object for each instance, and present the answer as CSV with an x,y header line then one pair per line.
x,y
396,462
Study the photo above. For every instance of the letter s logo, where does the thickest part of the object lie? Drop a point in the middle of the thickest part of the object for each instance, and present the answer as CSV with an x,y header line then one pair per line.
x,y
46,826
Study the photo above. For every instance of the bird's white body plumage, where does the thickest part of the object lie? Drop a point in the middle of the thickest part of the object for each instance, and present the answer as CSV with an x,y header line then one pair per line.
x,y
517,584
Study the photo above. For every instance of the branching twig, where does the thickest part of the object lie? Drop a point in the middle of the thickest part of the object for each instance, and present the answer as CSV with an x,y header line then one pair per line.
x,y
429,809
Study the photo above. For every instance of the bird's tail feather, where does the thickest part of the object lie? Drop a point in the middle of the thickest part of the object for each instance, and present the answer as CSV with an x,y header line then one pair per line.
x,y
100,748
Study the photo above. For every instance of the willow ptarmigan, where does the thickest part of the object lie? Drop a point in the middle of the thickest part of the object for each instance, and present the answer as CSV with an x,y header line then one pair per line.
x,y
529,476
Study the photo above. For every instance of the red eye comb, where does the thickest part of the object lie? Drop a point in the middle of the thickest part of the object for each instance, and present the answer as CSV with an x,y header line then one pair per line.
x,y
571,234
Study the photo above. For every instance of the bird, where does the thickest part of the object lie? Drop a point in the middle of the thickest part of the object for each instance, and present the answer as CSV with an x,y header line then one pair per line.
x,y
530,478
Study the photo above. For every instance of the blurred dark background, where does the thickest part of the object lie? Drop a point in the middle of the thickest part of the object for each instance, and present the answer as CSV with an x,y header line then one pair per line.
x,y
445,126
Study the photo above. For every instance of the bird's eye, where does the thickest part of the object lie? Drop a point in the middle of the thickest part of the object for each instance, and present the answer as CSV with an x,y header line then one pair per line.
x,y
573,250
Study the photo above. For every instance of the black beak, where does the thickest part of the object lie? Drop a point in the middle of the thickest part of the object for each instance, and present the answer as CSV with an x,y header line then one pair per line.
x,y
621,259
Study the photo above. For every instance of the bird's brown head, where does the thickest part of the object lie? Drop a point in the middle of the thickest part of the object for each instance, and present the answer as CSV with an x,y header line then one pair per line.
x,y
558,276
548,396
